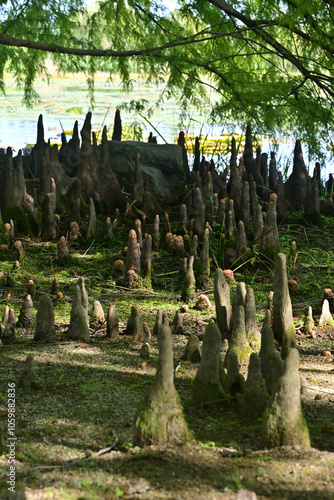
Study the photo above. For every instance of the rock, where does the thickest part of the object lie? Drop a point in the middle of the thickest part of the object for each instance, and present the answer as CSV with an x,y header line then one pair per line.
x,y
161,164
138,185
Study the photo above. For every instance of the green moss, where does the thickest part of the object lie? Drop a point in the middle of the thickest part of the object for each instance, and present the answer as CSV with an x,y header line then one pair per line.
x,y
203,393
23,221
187,293
243,354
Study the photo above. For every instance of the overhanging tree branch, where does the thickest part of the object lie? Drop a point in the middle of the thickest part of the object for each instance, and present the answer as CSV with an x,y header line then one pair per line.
x,y
281,51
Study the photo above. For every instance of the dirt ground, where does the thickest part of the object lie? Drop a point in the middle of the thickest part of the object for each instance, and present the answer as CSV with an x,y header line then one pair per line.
x,y
86,402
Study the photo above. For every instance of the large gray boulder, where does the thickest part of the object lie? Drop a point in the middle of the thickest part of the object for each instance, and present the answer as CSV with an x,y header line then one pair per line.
x,y
162,164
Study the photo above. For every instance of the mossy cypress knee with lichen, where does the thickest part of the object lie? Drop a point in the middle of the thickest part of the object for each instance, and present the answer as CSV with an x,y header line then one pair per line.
x,y
239,342
256,395
283,326
271,361
210,376
283,421
79,320
159,419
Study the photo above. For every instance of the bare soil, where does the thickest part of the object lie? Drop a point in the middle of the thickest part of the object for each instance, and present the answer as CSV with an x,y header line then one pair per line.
x,y
86,402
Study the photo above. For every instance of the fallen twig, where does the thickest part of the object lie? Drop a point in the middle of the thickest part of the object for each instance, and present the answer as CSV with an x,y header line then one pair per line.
x,y
69,463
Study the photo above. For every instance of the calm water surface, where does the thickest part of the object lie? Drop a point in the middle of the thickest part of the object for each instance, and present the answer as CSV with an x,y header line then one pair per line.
x,y
18,125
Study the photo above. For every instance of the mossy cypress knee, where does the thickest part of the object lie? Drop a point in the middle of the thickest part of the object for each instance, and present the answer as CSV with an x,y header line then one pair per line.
x,y
203,270
283,421
192,350
112,322
222,303
146,260
25,318
269,242
271,361
256,395
326,318
189,284
45,324
282,310
252,330
207,384
159,420
27,377
79,320
238,341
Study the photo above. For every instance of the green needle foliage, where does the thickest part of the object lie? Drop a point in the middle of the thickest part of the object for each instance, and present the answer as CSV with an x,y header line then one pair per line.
x,y
269,62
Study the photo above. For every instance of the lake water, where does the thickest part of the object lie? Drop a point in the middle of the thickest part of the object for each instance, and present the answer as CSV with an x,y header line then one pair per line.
x,y
18,125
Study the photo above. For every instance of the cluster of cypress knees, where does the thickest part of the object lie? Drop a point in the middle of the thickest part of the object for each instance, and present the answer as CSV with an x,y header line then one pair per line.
x,y
272,388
